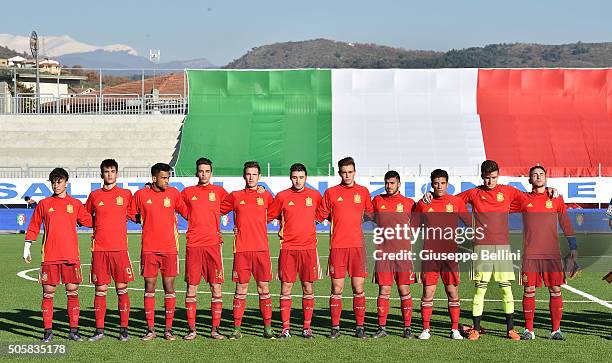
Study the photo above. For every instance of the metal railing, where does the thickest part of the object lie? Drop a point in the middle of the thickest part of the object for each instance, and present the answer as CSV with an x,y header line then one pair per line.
x,y
75,172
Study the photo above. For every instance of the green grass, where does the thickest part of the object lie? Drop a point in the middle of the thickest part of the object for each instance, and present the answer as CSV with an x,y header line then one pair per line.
x,y
585,323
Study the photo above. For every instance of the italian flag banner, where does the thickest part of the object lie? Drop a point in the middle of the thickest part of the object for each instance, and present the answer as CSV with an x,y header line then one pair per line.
x,y
408,119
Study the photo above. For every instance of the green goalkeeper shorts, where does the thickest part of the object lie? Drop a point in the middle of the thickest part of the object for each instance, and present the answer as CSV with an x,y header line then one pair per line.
x,y
493,260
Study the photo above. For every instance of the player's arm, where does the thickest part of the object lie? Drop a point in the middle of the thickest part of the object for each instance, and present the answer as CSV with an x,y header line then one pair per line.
x,y
324,209
464,215
33,231
133,210
227,205
275,208
83,216
568,230
181,207
368,213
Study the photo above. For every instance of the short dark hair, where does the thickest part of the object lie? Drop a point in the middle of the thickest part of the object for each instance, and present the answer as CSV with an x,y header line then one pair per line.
x,y
533,168
346,162
488,166
203,161
298,167
155,169
27,198
392,174
439,173
58,173
251,164
108,163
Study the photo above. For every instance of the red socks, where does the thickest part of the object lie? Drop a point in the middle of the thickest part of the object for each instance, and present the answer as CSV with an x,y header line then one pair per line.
x,y
307,309
74,308
285,311
335,308
556,309
123,305
359,307
170,306
100,308
454,309
191,308
239,306
47,310
149,308
426,311
265,306
529,305
216,308
382,306
406,305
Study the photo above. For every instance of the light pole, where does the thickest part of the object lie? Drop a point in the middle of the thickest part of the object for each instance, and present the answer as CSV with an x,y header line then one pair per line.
x,y
34,49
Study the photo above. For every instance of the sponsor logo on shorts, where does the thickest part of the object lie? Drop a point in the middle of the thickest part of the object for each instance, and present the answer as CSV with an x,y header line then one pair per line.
x,y
44,276
94,278
525,277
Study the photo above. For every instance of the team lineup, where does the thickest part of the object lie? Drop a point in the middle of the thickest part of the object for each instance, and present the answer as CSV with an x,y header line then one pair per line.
x,y
298,209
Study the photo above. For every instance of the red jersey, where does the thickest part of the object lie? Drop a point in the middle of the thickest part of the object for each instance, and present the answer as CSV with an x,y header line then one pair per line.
x,y
441,213
250,218
491,208
344,207
204,204
60,216
157,215
109,209
540,234
389,212
296,211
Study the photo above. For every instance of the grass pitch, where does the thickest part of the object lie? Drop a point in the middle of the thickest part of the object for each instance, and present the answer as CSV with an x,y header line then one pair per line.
x,y
585,322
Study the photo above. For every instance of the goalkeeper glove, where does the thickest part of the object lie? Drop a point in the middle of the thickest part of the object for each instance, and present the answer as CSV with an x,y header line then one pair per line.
x,y
27,256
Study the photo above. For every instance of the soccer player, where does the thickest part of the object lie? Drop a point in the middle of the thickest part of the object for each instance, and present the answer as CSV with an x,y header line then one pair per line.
x,y
541,253
443,211
60,214
251,249
155,208
203,256
109,247
345,206
295,208
390,210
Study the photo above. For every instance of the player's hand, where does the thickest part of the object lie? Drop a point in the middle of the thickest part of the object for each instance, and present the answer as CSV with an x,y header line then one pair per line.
x,y
427,197
27,256
573,254
235,231
552,192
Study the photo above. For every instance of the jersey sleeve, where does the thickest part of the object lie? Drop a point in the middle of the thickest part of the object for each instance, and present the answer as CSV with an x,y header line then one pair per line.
x,y
83,216
324,208
89,204
369,207
133,208
35,222
228,204
564,220
466,195
275,208
180,206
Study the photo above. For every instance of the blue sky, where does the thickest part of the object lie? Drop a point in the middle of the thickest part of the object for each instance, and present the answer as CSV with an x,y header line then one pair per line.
x,y
224,30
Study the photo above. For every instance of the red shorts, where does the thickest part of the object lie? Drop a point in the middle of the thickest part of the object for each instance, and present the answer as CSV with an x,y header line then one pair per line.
x,y
68,273
447,270
151,263
548,270
256,263
205,261
347,259
385,272
107,264
302,262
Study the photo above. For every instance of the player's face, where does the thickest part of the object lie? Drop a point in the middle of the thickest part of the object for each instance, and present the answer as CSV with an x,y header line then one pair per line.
x,y
162,180
109,175
251,177
439,186
298,180
537,178
490,179
204,173
59,186
392,186
347,173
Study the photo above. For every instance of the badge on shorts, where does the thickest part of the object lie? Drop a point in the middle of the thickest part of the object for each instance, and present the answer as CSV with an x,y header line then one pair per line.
x,y
357,198
500,197
212,196
399,208
235,274
260,201
219,273
525,278
308,201
69,208
166,202
44,276
449,208
549,204
119,200
94,278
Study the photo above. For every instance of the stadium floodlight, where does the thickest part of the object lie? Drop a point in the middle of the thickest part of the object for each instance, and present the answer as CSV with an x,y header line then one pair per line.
x,y
34,50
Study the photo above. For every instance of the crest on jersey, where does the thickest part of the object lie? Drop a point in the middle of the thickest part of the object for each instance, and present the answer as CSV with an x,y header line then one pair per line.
x,y
100,204
260,201
308,201
449,208
339,199
166,202
194,198
291,203
500,197
69,208
549,204
399,208
149,201
119,200
357,198
212,196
